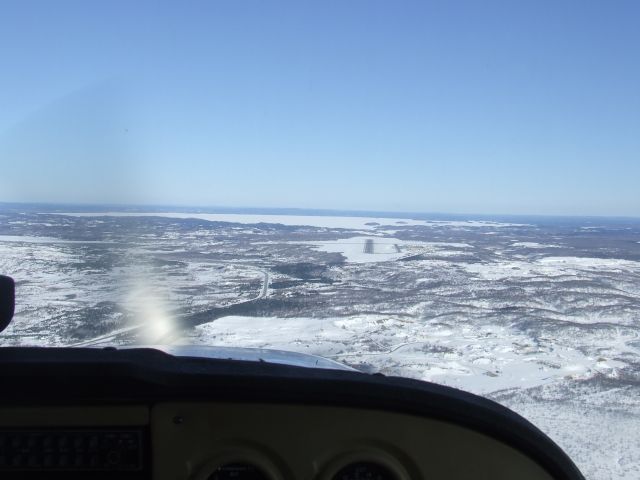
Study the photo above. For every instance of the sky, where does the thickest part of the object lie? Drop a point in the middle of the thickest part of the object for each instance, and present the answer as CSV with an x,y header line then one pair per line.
x,y
529,107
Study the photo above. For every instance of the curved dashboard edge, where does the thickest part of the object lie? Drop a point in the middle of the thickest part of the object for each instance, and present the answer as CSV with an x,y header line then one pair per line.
x,y
33,376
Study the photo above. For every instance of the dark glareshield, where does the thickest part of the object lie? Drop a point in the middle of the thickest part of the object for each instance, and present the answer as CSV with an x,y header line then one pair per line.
x,y
7,301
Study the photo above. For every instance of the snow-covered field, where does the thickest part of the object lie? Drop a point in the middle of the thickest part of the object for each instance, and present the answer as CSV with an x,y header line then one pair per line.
x,y
481,359
542,317
319,221
354,249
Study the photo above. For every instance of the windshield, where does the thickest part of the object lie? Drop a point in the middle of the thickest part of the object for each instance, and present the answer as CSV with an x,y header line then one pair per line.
x,y
446,191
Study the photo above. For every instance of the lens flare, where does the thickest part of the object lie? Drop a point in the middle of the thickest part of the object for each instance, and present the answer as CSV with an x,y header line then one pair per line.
x,y
149,306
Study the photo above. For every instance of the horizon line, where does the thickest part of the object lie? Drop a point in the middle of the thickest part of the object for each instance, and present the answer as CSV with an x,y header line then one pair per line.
x,y
313,211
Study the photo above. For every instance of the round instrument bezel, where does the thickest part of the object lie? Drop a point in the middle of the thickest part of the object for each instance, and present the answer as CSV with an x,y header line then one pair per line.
x,y
240,455
369,455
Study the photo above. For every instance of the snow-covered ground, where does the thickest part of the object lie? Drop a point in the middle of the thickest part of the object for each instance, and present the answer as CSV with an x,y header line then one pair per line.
x,y
481,359
542,318
533,245
355,250
320,221
550,267
596,421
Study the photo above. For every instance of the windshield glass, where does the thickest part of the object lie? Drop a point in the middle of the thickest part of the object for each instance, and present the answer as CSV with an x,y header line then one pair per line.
x,y
446,191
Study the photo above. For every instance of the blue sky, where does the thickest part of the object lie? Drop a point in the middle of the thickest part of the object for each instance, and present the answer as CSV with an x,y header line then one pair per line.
x,y
478,107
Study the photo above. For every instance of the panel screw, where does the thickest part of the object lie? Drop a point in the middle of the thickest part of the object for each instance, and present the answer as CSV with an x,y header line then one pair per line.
x,y
178,420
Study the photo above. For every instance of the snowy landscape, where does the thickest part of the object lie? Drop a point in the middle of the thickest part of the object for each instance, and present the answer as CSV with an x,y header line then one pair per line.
x,y
539,314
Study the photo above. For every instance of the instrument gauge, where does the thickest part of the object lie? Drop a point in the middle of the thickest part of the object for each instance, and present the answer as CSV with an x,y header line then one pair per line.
x,y
364,471
238,471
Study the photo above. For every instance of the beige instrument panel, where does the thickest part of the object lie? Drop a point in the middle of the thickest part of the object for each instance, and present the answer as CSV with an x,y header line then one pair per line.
x,y
189,441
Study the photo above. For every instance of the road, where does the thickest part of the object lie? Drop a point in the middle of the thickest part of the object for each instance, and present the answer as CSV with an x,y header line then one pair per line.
x,y
108,337
264,291
172,335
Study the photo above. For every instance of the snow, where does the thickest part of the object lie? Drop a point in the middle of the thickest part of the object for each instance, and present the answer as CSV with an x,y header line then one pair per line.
x,y
594,426
539,378
473,223
533,245
491,310
353,249
383,249
319,221
549,267
480,359
33,239
590,263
